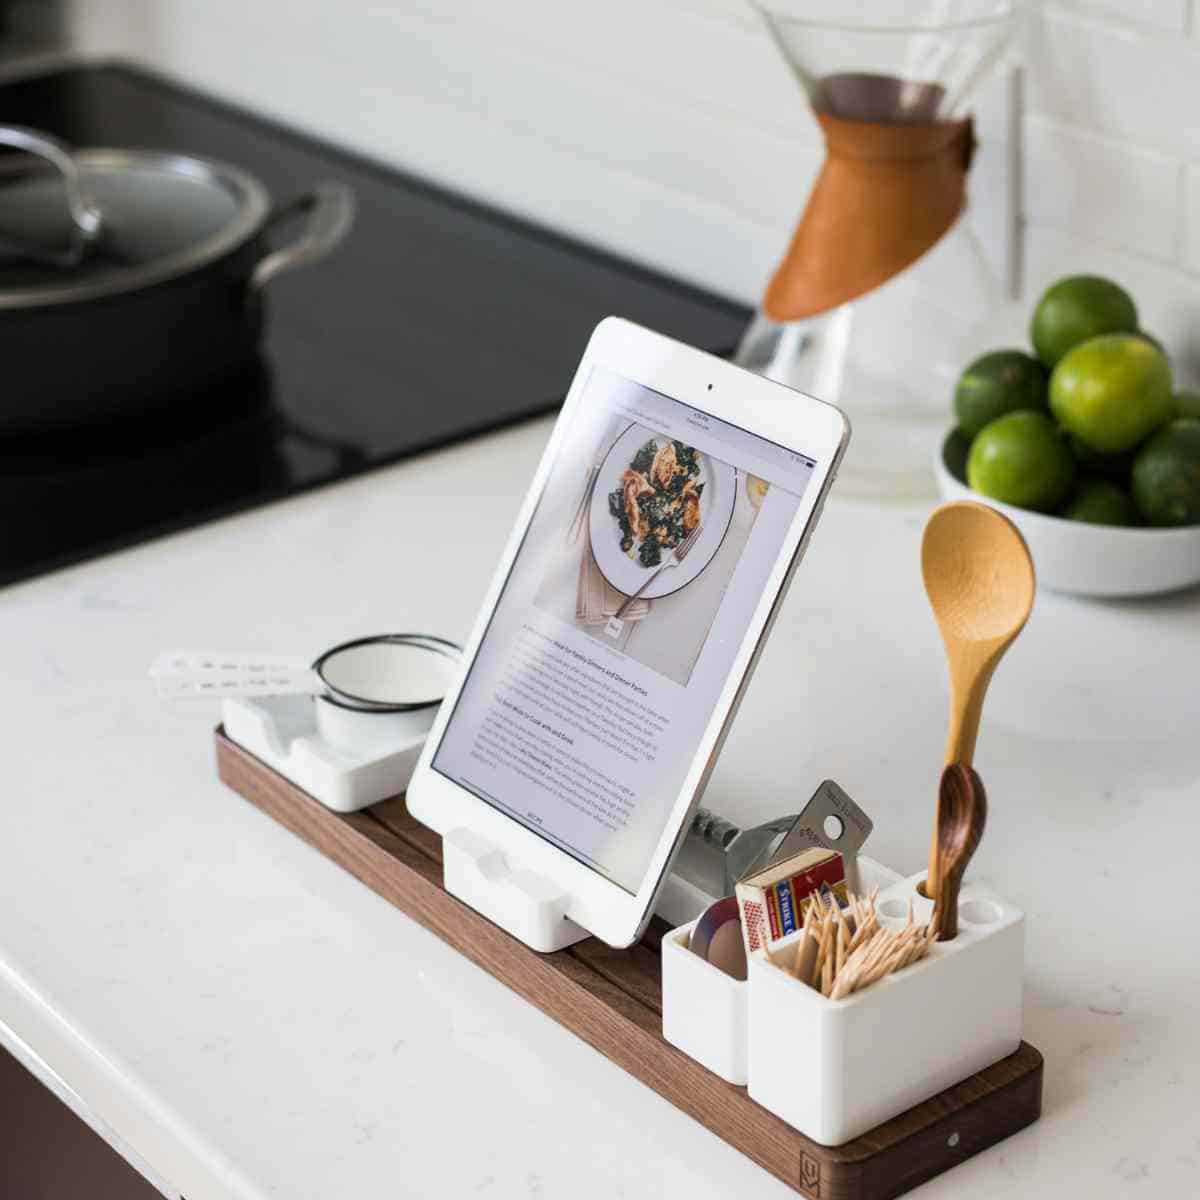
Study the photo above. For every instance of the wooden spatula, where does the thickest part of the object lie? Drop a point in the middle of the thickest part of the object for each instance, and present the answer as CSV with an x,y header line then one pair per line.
x,y
980,582
962,814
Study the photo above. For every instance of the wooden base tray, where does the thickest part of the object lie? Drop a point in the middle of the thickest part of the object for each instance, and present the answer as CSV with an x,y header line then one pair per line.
x,y
612,999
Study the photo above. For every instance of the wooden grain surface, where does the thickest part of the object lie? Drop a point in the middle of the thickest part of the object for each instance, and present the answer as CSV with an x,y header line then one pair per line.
x,y
612,999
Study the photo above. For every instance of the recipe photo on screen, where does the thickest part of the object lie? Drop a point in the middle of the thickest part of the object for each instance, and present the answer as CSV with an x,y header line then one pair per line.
x,y
619,621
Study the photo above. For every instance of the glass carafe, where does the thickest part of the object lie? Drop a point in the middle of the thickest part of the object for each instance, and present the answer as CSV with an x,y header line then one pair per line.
x,y
885,292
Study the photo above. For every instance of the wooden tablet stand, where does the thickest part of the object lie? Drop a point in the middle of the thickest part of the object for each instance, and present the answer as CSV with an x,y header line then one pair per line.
x,y
612,999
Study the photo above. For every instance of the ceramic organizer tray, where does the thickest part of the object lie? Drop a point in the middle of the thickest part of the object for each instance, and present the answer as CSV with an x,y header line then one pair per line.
x,y
809,1052
835,1069
283,732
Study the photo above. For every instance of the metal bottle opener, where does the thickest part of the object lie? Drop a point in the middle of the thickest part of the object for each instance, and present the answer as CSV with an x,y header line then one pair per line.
x,y
717,853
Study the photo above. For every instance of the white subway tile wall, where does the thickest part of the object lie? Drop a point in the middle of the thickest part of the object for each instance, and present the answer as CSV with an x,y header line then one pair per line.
x,y
1101,188
1168,15
1111,157
1191,219
1115,79
669,130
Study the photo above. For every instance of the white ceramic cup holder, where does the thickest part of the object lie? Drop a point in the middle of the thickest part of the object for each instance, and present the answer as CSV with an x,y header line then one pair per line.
x,y
834,1069
319,730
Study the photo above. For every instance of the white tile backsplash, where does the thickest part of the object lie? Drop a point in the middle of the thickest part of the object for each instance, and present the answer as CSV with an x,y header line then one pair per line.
x,y
1168,15
1107,190
1191,218
1115,80
669,130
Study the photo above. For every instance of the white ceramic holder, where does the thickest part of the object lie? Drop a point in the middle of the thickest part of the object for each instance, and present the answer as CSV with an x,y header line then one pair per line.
x,y
834,1069
705,1011
345,759
528,905
837,1068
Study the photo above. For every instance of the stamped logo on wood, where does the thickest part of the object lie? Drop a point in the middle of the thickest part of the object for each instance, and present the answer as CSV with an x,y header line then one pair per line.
x,y
810,1174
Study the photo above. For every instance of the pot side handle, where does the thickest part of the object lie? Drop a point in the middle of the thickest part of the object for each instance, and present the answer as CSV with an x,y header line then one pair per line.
x,y
330,211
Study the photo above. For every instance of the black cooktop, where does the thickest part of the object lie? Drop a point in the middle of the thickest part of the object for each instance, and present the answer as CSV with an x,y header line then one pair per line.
x,y
436,319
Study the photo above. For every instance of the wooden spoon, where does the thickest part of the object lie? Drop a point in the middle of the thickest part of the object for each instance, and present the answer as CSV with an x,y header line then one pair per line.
x,y
980,582
962,813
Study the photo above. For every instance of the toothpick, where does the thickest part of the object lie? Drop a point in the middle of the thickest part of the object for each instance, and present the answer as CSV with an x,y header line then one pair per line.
x,y
842,951
806,959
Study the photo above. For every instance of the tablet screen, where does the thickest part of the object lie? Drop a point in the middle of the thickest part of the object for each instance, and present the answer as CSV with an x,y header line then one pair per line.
x,y
619,622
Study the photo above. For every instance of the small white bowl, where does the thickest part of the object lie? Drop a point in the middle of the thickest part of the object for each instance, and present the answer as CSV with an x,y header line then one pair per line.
x,y
361,727
1080,558
367,732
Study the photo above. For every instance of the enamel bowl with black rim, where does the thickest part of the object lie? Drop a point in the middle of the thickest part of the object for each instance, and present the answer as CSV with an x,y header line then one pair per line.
x,y
1081,558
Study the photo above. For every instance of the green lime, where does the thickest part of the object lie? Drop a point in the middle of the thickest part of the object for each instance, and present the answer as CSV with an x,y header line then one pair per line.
x,y
1113,467
1187,404
1101,503
1166,475
1022,459
1155,343
1077,308
997,383
1112,392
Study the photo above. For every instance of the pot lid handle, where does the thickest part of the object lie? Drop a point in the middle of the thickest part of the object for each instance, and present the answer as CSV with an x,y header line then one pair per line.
x,y
85,216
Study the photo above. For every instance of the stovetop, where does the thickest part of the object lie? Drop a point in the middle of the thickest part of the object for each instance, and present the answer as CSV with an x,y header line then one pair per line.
x,y
436,319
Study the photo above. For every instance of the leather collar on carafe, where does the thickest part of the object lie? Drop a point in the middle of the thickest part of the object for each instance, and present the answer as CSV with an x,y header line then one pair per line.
x,y
886,193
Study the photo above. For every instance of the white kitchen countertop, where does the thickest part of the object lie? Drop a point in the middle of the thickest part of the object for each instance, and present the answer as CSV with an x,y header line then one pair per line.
x,y
255,1023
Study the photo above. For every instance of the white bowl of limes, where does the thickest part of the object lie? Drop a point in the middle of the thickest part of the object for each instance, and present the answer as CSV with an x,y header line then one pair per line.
x,y
1081,558
1084,446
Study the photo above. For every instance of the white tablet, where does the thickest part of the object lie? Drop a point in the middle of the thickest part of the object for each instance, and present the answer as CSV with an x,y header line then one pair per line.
x,y
660,531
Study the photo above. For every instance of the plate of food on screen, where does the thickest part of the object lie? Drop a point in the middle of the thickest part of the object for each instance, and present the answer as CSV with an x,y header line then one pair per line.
x,y
658,502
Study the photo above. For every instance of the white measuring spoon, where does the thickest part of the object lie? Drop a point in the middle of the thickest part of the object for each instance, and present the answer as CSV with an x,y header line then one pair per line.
x,y
391,672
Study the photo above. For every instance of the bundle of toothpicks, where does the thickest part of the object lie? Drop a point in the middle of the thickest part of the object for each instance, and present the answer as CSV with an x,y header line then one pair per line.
x,y
840,951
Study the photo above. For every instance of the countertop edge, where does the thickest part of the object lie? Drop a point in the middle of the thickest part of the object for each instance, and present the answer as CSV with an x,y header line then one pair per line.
x,y
109,1098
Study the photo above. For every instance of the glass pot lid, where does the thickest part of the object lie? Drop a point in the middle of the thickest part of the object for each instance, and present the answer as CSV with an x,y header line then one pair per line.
x,y
160,216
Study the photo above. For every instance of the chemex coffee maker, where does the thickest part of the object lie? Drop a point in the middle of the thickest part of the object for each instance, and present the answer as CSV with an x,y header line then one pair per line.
x,y
883,292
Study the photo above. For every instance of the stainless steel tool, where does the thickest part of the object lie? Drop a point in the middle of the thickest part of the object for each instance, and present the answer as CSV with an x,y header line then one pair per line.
x,y
718,853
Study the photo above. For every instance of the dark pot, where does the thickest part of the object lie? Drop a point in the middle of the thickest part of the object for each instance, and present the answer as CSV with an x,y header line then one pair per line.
x,y
132,280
